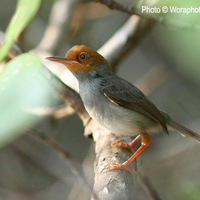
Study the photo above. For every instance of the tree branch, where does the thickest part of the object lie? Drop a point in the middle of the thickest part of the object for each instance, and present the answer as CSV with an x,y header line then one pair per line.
x,y
161,19
114,184
116,6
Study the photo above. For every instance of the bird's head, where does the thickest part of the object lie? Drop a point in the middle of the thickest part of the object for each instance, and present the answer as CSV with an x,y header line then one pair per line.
x,y
82,59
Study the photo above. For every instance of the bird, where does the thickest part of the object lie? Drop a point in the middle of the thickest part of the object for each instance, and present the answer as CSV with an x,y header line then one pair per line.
x,y
116,104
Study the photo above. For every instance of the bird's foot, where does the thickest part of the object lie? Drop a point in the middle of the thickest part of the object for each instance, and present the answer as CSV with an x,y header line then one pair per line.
x,y
124,166
124,145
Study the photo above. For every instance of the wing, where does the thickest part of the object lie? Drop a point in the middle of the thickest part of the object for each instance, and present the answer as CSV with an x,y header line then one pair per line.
x,y
122,93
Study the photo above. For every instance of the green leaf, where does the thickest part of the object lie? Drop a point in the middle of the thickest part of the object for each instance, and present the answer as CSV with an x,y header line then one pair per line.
x,y
25,11
22,88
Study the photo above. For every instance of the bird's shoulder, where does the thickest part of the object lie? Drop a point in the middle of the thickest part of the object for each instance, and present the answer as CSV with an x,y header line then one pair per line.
x,y
120,88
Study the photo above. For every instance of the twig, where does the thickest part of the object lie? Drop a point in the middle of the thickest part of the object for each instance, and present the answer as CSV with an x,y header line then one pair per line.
x,y
58,23
88,166
158,73
63,112
44,159
48,111
147,186
74,166
15,49
126,38
116,6
161,19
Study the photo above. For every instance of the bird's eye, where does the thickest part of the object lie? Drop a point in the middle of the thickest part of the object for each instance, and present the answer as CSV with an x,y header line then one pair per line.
x,y
83,56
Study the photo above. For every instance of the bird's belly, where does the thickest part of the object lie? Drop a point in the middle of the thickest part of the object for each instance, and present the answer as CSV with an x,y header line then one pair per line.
x,y
120,120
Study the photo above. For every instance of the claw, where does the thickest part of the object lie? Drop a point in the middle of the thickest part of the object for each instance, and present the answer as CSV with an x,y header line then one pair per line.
x,y
124,145
121,144
120,166
130,145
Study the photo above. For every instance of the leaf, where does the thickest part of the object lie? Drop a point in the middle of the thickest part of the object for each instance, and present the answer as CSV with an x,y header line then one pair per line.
x,y
25,11
22,87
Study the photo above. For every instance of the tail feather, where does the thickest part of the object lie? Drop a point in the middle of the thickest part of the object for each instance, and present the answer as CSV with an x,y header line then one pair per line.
x,y
182,129
185,131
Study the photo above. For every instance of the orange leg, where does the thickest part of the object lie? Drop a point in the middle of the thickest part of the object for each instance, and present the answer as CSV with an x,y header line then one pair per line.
x,y
127,145
145,141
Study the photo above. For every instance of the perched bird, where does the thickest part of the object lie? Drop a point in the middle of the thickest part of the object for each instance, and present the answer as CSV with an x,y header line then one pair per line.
x,y
115,103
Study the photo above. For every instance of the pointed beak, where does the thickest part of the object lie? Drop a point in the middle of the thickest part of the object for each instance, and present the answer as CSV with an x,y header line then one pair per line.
x,y
72,65
62,60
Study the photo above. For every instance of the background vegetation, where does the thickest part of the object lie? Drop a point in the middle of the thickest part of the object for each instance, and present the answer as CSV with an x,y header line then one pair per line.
x,y
160,57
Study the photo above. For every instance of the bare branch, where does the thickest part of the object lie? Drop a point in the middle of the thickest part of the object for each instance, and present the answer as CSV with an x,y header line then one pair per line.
x,y
75,167
158,73
126,38
88,167
148,187
58,22
114,184
44,159
161,19
116,6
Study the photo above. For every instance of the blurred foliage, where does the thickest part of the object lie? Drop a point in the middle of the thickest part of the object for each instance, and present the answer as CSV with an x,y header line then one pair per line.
x,y
178,33
185,44
188,191
181,45
25,11
22,88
